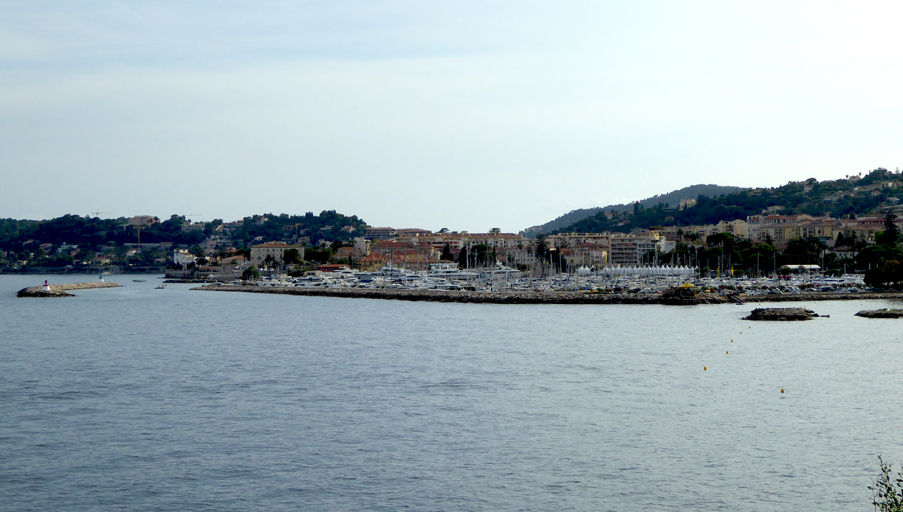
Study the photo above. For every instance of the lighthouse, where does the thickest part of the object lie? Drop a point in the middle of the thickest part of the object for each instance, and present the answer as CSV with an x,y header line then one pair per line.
x,y
46,287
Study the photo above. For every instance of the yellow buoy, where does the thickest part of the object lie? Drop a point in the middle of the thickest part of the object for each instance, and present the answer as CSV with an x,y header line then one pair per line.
x,y
782,390
725,351
704,368
732,341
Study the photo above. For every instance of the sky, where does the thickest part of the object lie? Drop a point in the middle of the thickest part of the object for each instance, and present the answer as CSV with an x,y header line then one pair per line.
x,y
467,115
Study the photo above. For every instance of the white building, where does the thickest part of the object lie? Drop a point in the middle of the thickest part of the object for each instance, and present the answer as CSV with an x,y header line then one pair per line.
x,y
183,257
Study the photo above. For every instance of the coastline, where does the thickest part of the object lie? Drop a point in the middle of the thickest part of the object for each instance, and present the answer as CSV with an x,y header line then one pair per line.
x,y
538,297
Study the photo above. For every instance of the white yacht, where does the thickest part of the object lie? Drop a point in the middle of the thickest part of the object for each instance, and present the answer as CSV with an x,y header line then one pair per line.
x,y
450,271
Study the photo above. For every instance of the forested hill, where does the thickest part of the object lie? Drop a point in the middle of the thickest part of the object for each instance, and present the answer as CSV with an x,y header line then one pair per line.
x,y
854,196
93,231
669,199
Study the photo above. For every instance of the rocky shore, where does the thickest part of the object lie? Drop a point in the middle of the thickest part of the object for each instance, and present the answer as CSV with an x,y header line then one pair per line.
x,y
62,290
781,314
881,313
533,297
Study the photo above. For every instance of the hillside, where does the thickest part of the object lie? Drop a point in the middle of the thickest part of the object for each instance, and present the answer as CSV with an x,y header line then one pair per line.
x,y
854,196
669,199
18,235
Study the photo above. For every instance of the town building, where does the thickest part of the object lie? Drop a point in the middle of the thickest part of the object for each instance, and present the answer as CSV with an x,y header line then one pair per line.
x,y
274,250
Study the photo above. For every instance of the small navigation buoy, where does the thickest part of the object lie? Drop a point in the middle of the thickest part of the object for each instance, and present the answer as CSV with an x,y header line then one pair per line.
x,y
46,287
782,390
704,368
725,351
732,341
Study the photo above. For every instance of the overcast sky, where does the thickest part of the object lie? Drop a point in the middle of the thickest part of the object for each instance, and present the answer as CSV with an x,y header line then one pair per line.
x,y
465,115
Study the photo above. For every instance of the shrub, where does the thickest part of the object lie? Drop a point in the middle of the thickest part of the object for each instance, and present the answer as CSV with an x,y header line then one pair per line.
x,y
887,491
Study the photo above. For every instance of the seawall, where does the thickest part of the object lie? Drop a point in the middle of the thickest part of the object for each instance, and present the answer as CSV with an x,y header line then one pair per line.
x,y
62,290
533,297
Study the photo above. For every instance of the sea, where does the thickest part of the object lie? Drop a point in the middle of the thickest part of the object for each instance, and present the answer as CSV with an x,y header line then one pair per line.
x,y
136,398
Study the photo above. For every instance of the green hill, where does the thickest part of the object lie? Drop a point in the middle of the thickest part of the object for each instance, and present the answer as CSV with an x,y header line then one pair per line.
x,y
669,199
853,196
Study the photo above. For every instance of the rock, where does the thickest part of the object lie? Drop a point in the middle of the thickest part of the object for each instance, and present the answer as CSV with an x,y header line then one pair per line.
x,y
781,314
881,313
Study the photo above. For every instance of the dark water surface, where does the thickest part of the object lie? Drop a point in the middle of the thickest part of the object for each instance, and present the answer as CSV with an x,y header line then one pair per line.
x,y
143,399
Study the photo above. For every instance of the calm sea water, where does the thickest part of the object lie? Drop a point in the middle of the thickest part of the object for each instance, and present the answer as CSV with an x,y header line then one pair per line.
x,y
143,399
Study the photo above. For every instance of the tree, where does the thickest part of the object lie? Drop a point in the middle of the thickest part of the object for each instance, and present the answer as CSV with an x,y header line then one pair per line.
x,y
447,254
876,256
890,274
249,272
541,248
462,258
804,251
495,231
891,235
291,257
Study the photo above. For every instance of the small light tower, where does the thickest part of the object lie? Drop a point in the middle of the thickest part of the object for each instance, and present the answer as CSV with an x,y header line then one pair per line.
x,y
46,287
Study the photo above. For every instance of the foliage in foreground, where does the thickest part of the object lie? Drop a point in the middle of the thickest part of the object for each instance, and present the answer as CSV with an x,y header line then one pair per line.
x,y
887,491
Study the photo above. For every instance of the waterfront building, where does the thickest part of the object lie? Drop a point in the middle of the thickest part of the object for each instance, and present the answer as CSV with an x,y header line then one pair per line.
x,y
276,250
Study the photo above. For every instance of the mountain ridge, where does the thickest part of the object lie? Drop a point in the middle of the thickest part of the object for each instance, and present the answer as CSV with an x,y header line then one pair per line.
x,y
669,199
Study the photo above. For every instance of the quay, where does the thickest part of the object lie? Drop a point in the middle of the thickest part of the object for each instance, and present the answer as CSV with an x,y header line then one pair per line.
x,y
62,290
533,297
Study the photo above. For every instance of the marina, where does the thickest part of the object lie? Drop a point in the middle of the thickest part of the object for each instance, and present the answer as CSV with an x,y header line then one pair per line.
x,y
615,285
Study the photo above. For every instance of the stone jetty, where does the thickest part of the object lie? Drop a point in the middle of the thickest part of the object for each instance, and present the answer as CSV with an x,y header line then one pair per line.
x,y
62,290
507,297
881,313
529,297
781,314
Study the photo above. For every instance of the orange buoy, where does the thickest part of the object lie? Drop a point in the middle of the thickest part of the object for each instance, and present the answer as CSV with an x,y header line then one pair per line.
x,y
782,390
725,351
704,368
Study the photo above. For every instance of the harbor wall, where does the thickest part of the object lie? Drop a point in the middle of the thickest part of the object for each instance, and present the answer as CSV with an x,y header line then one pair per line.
x,y
62,290
534,297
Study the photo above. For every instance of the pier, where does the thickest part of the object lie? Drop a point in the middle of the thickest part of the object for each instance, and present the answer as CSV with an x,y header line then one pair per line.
x,y
62,290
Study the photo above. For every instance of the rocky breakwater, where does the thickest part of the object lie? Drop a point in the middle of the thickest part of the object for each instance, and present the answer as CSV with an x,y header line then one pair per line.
x,y
781,314
881,313
506,297
62,290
